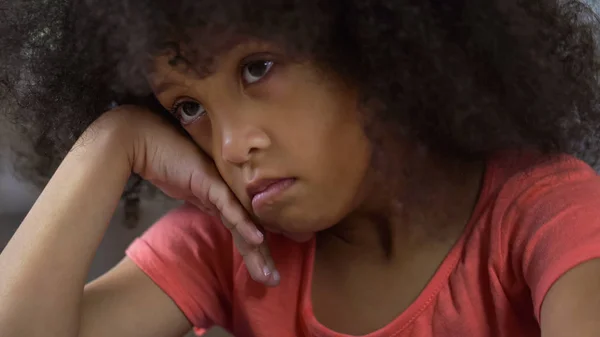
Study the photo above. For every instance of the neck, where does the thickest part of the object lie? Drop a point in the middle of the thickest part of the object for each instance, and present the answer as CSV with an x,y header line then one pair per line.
x,y
429,205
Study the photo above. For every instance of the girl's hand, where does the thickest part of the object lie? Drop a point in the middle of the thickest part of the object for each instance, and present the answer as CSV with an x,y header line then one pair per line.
x,y
161,154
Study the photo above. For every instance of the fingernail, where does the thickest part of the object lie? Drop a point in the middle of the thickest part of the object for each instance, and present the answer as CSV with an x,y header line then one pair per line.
x,y
259,235
266,271
276,276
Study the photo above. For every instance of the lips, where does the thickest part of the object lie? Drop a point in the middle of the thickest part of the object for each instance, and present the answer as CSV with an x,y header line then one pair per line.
x,y
259,186
265,191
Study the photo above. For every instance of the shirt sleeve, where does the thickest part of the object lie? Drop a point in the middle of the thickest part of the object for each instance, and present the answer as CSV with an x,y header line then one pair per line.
x,y
188,254
557,226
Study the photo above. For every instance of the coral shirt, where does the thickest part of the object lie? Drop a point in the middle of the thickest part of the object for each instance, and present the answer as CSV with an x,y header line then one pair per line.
x,y
533,222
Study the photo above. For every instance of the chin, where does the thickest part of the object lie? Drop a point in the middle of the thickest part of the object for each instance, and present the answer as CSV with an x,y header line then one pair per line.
x,y
298,217
292,225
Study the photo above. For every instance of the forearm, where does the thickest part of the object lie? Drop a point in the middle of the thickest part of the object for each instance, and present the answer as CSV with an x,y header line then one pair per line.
x,y
44,267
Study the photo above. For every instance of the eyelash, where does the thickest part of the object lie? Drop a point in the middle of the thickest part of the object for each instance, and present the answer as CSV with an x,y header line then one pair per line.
x,y
257,58
245,63
174,110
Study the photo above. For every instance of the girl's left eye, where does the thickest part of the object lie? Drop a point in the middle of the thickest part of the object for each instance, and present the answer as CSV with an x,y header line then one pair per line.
x,y
187,112
254,71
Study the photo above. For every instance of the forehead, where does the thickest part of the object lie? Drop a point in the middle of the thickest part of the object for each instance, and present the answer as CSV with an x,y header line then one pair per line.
x,y
199,54
181,60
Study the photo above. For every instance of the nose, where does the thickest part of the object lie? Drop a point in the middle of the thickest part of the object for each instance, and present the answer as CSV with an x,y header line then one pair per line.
x,y
241,142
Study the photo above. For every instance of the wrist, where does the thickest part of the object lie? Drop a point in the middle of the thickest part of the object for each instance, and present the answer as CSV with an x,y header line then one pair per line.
x,y
110,137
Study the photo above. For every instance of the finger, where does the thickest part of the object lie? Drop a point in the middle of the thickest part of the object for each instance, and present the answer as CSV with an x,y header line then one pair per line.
x,y
253,260
258,260
235,215
256,268
270,263
203,207
241,244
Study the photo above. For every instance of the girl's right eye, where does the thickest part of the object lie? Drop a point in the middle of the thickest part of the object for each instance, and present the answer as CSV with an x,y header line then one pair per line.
x,y
188,111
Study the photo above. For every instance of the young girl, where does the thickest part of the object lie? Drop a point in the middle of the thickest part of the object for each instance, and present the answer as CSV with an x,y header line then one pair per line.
x,y
412,163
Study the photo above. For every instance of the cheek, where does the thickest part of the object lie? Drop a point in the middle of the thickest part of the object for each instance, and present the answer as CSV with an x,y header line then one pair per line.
x,y
334,156
345,158
344,162
202,134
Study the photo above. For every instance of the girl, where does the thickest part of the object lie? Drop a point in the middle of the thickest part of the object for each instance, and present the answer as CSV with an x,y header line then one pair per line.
x,y
411,162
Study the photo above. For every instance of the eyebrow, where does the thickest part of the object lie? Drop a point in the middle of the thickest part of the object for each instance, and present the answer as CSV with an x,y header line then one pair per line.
x,y
162,87
163,83
166,86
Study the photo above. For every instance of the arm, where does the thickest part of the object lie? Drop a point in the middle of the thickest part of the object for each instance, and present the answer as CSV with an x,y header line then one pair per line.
x,y
572,306
44,266
126,302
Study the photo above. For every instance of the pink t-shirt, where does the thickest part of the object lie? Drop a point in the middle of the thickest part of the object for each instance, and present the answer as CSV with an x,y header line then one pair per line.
x,y
533,222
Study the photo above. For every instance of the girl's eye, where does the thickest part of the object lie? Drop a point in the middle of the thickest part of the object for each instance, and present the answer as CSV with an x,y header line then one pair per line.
x,y
187,112
255,71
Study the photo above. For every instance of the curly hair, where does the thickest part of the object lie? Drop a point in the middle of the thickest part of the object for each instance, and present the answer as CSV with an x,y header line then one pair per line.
x,y
464,77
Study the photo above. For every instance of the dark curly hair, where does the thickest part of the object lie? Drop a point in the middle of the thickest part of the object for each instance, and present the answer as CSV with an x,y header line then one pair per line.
x,y
464,77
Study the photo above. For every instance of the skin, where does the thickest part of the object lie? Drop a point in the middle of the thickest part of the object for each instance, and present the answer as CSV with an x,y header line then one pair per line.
x,y
295,122
291,122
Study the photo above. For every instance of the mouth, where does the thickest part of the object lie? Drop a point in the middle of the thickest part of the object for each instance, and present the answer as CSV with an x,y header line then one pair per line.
x,y
264,192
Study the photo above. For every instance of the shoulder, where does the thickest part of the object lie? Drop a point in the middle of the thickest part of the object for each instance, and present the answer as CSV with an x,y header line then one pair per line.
x,y
545,217
518,181
534,205
518,170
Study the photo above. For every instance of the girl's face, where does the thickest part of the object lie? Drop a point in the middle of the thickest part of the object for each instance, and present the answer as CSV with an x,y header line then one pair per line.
x,y
286,137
